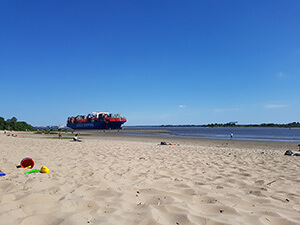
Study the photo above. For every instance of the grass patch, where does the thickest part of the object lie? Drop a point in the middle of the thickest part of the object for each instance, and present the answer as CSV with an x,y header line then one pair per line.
x,y
46,132
59,138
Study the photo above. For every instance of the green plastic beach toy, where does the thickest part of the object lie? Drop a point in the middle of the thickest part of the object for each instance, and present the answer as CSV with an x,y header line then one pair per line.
x,y
33,171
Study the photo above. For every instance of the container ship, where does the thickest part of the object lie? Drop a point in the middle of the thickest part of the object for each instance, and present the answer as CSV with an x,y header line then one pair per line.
x,y
96,120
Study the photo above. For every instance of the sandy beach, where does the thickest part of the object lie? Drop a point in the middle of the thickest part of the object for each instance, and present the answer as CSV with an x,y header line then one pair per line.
x,y
110,178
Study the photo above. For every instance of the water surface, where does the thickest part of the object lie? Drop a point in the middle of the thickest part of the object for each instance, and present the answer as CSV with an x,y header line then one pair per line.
x,y
257,134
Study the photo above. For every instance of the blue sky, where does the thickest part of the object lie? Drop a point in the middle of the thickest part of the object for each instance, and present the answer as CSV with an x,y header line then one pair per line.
x,y
155,62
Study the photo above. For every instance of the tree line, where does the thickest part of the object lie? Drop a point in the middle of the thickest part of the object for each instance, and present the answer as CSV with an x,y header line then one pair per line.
x,y
13,124
288,125
234,124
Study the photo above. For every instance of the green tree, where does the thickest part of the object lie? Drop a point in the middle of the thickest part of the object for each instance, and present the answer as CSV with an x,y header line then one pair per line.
x,y
13,124
12,120
2,123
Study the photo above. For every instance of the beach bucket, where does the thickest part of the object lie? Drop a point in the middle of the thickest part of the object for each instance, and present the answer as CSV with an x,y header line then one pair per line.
x,y
27,163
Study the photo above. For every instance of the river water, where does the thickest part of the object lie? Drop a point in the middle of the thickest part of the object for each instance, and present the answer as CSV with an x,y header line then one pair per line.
x,y
255,134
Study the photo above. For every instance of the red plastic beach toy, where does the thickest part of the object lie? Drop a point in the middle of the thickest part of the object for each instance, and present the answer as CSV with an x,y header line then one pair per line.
x,y
27,163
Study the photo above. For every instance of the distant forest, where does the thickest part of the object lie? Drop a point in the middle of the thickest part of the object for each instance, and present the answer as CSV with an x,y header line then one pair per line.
x,y
288,125
233,124
13,124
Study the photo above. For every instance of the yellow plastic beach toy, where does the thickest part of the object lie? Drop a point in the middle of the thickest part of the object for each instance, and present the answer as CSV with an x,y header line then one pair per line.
x,y
44,169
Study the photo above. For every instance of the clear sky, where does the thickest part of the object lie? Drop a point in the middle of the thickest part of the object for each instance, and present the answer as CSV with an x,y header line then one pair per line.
x,y
155,62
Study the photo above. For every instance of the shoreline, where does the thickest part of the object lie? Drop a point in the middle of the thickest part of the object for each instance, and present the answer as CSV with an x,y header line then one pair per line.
x,y
122,136
283,146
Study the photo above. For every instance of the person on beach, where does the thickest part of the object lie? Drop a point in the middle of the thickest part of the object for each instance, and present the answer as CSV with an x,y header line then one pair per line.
x,y
231,135
59,134
76,138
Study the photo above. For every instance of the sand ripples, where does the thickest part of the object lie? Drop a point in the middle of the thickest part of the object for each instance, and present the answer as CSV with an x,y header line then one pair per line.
x,y
125,182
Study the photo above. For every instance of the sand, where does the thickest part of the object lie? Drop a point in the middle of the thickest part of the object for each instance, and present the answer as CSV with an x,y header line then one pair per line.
x,y
114,179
